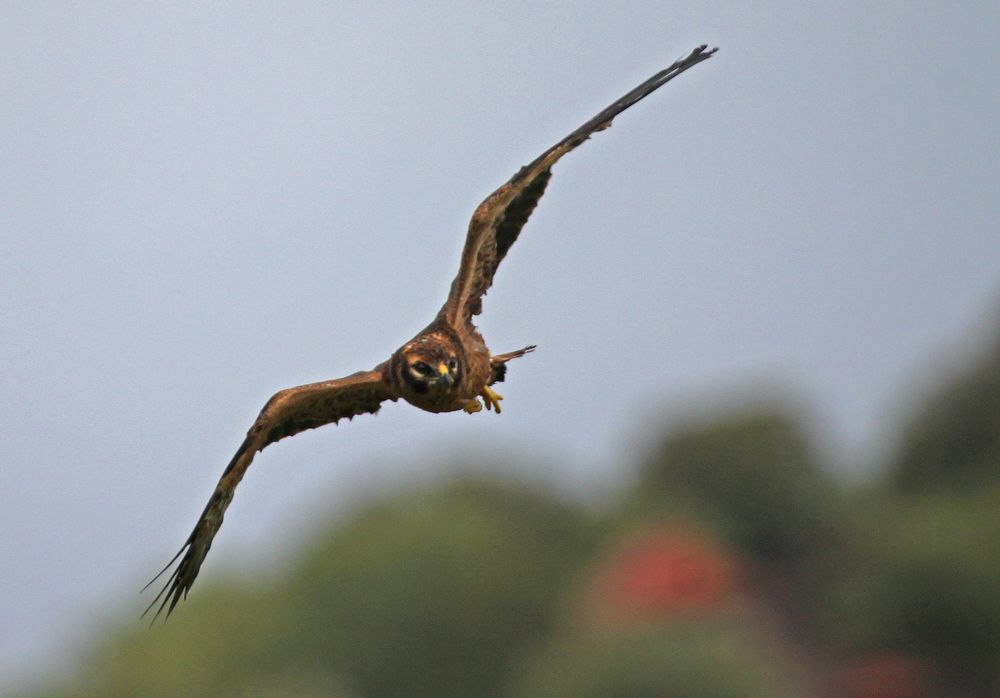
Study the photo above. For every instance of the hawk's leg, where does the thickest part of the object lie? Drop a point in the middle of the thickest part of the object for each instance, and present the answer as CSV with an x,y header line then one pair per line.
x,y
491,399
473,406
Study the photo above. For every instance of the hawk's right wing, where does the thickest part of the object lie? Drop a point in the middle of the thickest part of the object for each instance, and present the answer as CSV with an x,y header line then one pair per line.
x,y
287,413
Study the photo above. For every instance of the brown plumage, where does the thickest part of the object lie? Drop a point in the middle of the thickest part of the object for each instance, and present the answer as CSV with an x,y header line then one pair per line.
x,y
446,367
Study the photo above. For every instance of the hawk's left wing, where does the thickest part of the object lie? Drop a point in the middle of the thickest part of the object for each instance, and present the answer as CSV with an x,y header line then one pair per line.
x,y
498,220
287,413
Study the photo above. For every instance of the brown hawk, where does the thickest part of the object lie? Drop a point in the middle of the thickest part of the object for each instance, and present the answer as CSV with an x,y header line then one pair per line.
x,y
446,367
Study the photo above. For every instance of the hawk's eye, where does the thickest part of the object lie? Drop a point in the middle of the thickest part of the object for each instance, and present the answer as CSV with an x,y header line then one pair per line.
x,y
452,364
421,368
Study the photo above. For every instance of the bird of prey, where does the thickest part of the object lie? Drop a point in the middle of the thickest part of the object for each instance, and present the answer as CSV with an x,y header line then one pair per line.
x,y
446,367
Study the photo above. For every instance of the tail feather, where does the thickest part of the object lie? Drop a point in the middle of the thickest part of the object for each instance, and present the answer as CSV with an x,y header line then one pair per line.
x,y
498,363
504,358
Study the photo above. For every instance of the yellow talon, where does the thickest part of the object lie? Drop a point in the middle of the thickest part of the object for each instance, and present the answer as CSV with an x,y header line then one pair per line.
x,y
491,398
473,406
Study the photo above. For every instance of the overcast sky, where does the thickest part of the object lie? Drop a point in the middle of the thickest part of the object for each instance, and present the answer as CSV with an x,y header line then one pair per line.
x,y
200,206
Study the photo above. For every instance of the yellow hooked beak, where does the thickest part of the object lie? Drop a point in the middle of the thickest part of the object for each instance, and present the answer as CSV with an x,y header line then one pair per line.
x,y
444,376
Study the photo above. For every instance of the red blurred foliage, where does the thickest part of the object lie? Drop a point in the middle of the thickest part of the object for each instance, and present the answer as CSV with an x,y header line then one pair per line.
x,y
665,572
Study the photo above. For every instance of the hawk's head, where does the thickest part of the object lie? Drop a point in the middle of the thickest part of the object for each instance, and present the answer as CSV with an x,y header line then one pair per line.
x,y
428,368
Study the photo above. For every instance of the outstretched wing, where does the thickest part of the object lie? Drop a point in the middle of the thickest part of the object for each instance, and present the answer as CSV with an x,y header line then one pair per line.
x,y
287,413
498,220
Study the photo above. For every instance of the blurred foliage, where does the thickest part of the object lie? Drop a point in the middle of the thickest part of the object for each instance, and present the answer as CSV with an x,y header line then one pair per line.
x,y
921,577
954,442
221,648
751,479
687,659
734,566
431,596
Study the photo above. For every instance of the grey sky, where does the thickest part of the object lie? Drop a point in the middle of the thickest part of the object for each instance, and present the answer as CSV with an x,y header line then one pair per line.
x,y
199,206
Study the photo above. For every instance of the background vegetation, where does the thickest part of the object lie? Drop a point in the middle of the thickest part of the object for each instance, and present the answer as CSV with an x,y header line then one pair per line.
x,y
734,565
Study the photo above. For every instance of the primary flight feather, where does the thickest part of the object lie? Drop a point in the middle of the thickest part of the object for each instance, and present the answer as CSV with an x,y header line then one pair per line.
x,y
446,367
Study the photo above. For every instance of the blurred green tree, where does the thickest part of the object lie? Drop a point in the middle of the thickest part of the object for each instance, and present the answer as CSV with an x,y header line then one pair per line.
x,y
750,479
219,645
433,595
920,577
954,440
